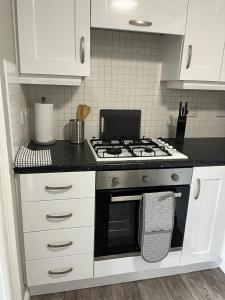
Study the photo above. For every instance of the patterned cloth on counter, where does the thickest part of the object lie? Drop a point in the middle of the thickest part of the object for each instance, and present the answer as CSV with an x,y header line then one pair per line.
x,y
32,158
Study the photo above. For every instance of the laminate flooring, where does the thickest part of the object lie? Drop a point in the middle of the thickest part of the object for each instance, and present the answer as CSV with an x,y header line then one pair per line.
x,y
203,285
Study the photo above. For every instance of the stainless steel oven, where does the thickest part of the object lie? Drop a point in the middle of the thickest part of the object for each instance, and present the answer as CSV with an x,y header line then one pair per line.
x,y
118,195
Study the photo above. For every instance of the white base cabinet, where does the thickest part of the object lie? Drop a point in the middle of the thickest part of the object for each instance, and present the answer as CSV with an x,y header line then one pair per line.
x,y
206,216
60,250
159,16
60,269
58,226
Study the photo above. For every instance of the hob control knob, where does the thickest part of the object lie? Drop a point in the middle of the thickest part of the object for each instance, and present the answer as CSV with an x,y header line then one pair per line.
x,y
115,181
146,179
175,177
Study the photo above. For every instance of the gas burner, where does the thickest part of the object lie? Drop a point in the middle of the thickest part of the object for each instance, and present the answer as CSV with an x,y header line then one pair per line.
x,y
133,149
114,151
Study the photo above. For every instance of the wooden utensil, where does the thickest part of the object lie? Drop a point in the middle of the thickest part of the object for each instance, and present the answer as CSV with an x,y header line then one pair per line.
x,y
82,112
79,112
85,112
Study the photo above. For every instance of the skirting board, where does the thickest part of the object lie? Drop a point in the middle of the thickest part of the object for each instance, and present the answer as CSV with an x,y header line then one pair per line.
x,y
94,282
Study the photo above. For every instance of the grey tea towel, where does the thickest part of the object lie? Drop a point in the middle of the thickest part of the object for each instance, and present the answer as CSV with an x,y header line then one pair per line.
x,y
29,158
156,225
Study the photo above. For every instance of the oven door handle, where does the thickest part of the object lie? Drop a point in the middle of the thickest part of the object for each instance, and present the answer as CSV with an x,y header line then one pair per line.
x,y
133,198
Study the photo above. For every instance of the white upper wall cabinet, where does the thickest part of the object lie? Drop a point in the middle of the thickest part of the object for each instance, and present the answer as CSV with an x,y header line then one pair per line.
x,y
54,37
204,40
198,55
160,16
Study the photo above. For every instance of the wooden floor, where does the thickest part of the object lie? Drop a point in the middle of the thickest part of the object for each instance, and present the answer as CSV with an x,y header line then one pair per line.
x,y
202,285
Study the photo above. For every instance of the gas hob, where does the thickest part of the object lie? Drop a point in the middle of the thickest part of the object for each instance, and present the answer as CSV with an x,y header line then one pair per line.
x,y
133,150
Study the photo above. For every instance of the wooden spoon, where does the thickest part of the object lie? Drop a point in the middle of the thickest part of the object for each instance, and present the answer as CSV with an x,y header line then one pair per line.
x,y
85,112
79,112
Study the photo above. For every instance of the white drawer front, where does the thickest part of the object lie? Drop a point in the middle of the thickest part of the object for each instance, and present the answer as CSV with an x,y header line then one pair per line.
x,y
45,244
77,266
49,186
44,215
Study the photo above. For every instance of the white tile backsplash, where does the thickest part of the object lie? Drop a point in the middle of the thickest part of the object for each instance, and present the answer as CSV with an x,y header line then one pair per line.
x,y
19,116
125,74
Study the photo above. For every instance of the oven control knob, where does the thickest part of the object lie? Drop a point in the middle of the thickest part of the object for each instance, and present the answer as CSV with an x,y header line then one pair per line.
x,y
146,179
115,181
175,177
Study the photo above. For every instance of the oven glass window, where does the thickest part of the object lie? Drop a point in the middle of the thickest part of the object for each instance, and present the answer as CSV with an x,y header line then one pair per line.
x,y
123,225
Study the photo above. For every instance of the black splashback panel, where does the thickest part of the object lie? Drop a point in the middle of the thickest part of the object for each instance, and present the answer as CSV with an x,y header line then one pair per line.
x,y
118,124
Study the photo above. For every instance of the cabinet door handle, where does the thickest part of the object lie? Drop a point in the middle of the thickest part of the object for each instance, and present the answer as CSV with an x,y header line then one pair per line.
x,y
189,57
140,23
59,216
199,189
60,245
58,188
82,51
60,272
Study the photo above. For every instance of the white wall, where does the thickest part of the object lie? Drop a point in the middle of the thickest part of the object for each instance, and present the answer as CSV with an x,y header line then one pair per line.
x,y
125,74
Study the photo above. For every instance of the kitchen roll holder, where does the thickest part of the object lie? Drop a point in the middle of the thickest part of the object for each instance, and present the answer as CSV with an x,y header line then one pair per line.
x,y
43,131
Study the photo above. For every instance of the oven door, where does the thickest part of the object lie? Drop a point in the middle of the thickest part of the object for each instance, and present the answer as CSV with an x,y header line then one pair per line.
x,y
117,220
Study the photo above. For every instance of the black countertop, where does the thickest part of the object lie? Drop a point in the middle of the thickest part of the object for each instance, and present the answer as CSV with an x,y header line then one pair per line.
x,y
67,157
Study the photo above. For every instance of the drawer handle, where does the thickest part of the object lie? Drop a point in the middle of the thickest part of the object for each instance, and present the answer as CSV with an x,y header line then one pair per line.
x,y
189,57
199,189
60,245
59,216
140,23
60,272
82,50
58,188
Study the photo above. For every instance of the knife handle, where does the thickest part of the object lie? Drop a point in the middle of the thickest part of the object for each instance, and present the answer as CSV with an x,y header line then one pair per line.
x,y
186,108
180,109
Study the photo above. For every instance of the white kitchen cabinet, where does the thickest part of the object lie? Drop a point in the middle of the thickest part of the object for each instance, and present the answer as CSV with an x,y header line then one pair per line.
x,y
52,186
205,219
204,40
57,211
161,16
197,56
69,268
47,215
45,244
54,37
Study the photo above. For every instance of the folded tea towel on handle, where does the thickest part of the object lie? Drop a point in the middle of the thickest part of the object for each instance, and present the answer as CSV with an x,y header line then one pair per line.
x,y
156,225
32,158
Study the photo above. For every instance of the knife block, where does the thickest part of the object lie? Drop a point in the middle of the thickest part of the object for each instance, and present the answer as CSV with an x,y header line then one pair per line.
x,y
181,126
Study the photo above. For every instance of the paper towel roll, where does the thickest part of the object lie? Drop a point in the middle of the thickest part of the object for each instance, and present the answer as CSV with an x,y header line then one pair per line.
x,y
43,114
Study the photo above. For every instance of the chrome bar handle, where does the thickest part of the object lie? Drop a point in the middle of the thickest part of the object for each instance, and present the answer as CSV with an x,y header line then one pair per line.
x,y
59,216
134,198
60,245
58,188
189,57
82,50
199,189
60,272
102,125
140,23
